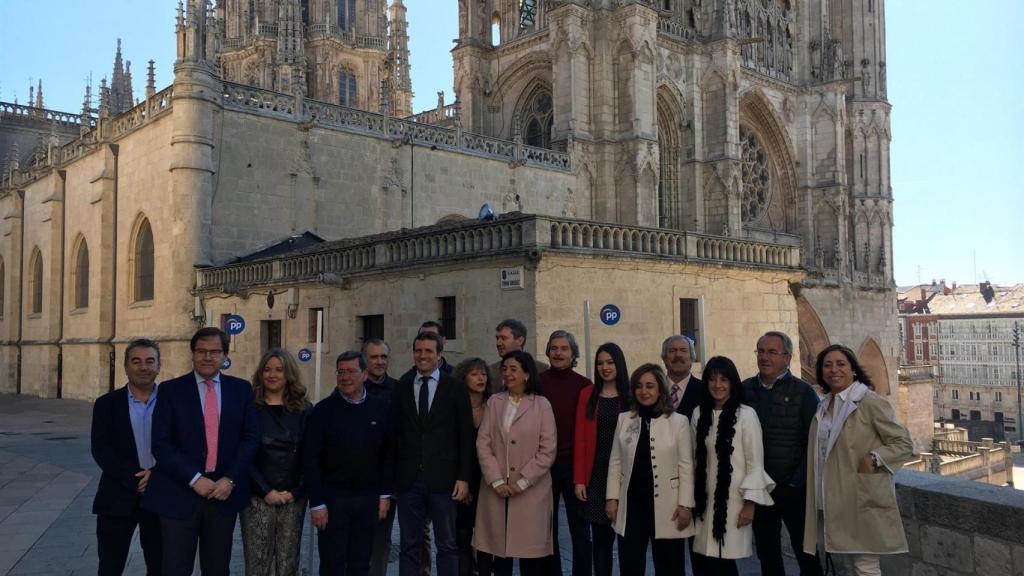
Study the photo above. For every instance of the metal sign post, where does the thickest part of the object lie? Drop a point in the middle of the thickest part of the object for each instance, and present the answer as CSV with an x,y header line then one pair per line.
x,y
317,363
586,340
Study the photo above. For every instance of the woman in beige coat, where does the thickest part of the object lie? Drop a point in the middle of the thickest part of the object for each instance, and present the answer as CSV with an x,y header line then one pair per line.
x,y
516,447
854,449
650,478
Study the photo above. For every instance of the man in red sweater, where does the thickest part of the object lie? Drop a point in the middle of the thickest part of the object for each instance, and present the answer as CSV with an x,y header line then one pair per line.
x,y
561,385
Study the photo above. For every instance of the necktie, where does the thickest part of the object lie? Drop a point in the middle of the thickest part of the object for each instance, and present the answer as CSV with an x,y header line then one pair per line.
x,y
211,424
424,400
674,395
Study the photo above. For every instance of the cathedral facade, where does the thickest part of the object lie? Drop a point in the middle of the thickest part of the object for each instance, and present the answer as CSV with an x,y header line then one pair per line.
x,y
733,153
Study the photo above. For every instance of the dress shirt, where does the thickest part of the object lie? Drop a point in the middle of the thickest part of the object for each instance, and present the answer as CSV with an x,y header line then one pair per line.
x,y
772,385
826,430
431,388
351,401
141,415
682,389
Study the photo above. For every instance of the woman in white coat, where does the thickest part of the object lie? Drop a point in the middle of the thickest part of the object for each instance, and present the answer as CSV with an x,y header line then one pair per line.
x,y
650,478
729,472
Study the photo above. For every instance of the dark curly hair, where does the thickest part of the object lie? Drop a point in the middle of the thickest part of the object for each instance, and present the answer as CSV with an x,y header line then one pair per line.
x,y
858,372
724,367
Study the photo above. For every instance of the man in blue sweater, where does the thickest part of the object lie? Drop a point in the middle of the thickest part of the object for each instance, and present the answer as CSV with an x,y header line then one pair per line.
x,y
348,468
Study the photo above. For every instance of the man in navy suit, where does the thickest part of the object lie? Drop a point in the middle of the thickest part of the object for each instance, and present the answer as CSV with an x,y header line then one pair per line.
x,y
205,436
122,422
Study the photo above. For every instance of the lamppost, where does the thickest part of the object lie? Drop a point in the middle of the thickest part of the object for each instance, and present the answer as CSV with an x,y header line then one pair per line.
x,y
1016,347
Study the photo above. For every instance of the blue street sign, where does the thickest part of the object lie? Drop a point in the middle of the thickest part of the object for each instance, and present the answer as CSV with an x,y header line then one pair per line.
x,y
226,364
305,355
234,324
610,314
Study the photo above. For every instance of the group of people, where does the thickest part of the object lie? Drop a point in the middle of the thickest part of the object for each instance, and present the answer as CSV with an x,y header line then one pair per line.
x,y
480,458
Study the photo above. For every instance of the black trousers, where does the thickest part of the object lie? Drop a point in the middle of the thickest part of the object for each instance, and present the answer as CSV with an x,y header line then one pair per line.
x,y
208,528
489,565
345,545
114,539
668,554
562,487
709,566
382,543
788,508
603,537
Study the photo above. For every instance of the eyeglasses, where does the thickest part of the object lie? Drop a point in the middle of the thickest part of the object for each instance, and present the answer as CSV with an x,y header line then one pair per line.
x,y
207,353
348,372
771,353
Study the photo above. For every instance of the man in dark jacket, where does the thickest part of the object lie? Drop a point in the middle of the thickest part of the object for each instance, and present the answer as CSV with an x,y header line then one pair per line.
x,y
685,389
785,406
122,424
434,451
377,355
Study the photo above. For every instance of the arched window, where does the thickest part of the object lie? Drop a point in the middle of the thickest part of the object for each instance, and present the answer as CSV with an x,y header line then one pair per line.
x,y
81,276
538,118
347,88
347,14
496,29
35,289
527,13
143,263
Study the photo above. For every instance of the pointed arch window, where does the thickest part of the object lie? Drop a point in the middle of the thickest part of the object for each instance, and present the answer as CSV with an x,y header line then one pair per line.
x,y
143,263
496,29
538,118
81,276
527,13
347,14
347,88
35,288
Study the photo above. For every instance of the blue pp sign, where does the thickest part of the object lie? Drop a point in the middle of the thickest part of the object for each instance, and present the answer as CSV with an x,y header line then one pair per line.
x,y
610,314
234,324
226,364
305,355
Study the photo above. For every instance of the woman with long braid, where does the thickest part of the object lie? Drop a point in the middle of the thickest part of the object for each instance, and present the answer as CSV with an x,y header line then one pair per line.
x,y
729,476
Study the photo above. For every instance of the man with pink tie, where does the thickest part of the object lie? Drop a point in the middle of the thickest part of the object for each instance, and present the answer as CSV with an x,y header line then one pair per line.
x,y
205,436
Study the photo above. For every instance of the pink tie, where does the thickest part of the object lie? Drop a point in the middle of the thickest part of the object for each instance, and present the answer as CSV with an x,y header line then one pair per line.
x,y
211,424
674,396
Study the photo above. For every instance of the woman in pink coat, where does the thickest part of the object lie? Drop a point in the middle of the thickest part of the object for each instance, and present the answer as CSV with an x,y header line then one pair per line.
x,y
516,447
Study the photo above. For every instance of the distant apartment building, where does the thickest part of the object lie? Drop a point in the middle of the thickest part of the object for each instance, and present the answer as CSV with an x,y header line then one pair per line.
x,y
966,333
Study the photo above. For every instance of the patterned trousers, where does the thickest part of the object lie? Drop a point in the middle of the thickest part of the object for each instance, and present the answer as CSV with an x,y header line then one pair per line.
x,y
272,535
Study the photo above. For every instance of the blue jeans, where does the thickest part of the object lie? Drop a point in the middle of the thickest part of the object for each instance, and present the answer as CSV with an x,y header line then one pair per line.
x,y
415,505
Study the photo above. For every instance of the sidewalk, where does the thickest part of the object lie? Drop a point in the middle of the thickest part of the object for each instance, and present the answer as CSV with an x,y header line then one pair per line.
x,y
47,483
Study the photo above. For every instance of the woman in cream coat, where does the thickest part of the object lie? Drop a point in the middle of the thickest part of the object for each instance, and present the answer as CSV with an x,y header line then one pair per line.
x,y
650,478
854,449
729,472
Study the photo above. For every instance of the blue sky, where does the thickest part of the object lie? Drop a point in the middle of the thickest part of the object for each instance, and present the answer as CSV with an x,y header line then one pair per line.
x,y
955,78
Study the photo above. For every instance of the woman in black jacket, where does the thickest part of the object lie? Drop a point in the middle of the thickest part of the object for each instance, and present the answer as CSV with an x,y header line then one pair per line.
x,y
477,378
272,524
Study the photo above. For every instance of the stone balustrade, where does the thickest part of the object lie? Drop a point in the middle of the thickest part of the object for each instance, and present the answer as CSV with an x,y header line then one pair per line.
x,y
523,234
11,112
445,115
676,30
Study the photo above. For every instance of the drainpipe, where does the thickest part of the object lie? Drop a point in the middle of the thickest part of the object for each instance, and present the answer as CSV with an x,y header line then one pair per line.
x,y
21,289
112,354
60,306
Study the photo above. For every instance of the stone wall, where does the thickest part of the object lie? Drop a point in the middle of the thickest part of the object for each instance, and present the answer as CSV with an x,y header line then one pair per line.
x,y
956,528
913,403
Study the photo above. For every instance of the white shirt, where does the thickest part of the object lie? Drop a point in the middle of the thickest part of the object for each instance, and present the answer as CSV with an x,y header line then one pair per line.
x,y
431,388
827,428
682,384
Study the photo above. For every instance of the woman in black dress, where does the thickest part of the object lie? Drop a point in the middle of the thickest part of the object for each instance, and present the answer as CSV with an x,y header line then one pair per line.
x,y
597,413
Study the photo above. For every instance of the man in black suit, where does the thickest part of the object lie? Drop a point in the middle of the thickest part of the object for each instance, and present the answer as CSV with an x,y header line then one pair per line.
x,y
442,364
122,423
205,436
434,451
684,389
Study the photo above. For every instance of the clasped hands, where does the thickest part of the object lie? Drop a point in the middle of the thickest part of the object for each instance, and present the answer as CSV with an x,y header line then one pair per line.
x,y
219,490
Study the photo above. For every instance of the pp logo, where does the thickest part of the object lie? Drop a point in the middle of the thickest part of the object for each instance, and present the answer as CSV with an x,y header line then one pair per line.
x,y
234,324
305,355
610,314
226,364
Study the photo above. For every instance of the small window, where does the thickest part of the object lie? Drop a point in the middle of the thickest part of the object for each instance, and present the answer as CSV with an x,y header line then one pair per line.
x,y
527,13
496,30
690,323
36,285
81,280
270,334
917,330
918,350
954,414
448,317
372,326
956,394
143,262
999,396
975,414
311,325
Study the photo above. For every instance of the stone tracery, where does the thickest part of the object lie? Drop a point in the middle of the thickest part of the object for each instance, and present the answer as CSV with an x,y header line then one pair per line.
x,y
756,176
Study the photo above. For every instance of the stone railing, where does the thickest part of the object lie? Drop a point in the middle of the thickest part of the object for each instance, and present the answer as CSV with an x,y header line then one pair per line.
x,y
956,527
291,107
11,112
677,30
916,372
446,115
152,108
525,234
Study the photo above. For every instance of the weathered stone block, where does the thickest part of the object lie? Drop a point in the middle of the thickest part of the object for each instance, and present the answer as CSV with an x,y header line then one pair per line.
x,y
991,556
947,548
1018,561
922,569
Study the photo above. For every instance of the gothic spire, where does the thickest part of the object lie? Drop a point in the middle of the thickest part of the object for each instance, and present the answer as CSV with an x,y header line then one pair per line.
x,y
39,95
151,79
398,57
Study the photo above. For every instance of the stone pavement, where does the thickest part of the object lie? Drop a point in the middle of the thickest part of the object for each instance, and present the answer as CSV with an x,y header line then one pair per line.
x,y
47,483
